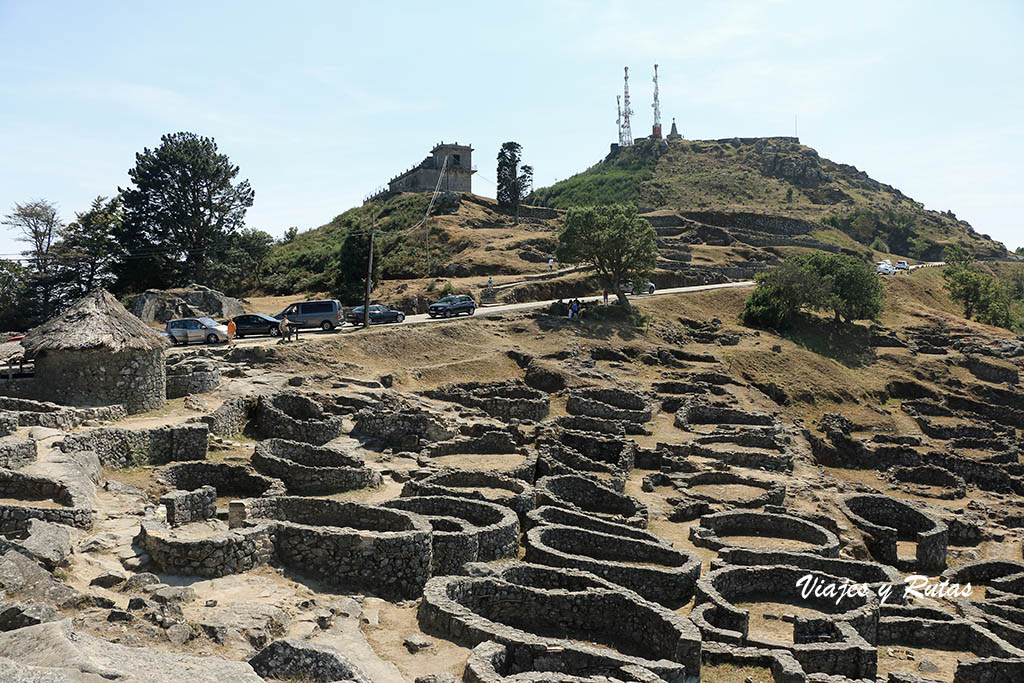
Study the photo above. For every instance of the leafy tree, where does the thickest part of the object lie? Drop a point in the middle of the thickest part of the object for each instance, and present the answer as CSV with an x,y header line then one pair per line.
x,y
13,278
514,182
620,245
862,228
781,293
38,225
239,267
183,206
842,284
88,247
289,235
855,291
351,264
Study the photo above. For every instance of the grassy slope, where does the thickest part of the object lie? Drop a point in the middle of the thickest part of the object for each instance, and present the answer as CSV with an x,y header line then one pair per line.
x,y
740,175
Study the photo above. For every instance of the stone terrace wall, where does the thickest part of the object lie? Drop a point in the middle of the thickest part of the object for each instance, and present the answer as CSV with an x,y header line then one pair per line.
x,y
748,523
351,545
128,447
609,404
16,453
290,415
461,483
886,520
586,495
405,427
8,423
31,413
311,470
231,418
652,570
184,507
227,479
475,610
512,400
220,554
74,510
191,375
492,530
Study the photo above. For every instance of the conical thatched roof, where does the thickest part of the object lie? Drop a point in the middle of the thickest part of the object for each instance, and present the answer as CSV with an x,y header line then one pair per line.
x,y
96,321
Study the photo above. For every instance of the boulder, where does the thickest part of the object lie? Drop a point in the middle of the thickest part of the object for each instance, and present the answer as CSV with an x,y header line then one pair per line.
x,y
23,578
294,658
21,614
56,651
50,544
159,306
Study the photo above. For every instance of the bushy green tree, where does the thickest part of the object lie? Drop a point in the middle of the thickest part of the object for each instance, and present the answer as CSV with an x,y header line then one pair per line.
x,y
620,245
842,284
184,206
350,282
514,181
89,247
854,290
37,224
13,280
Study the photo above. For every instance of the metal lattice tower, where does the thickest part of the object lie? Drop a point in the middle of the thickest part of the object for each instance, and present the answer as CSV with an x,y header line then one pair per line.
x,y
656,105
618,119
625,133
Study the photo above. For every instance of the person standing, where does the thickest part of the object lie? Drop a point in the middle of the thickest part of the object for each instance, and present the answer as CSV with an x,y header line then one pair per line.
x,y
605,297
551,264
231,331
284,328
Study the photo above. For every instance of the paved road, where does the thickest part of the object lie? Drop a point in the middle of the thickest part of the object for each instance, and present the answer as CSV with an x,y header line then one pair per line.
x,y
487,311
499,309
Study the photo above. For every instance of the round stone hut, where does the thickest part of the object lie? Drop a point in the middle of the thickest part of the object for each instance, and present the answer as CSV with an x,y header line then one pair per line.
x,y
97,353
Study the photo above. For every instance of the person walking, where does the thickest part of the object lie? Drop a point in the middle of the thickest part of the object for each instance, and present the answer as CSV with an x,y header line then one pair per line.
x,y
284,328
551,264
231,331
606,297
490,281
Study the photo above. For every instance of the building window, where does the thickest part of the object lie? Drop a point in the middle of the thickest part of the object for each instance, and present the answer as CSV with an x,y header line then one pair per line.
x,y
456,160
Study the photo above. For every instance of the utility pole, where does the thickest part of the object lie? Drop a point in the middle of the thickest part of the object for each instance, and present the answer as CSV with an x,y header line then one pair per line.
x,y
369,272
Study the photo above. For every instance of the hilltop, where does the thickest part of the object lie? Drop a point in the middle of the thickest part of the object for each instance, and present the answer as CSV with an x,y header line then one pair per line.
x,y
774,176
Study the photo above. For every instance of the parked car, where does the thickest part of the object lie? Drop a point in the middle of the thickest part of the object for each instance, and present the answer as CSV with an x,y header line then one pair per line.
x,y
627,287
188,330
902,265
378,314
256,323
452,305
885,268
325,314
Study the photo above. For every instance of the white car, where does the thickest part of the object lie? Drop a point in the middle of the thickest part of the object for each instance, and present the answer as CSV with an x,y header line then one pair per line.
x,y
627,287
902,265
885,268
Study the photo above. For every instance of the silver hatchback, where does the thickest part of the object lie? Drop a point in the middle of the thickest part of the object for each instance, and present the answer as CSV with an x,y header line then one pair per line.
x,y
198,330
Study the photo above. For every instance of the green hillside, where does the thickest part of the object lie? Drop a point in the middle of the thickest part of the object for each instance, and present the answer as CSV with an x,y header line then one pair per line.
x,y
775,176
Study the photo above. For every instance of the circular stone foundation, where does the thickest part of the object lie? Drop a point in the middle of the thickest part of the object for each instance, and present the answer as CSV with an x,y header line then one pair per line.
x,y
779,532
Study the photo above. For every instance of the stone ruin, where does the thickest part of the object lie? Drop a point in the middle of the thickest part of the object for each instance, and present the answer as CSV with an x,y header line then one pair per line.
x,y
579,562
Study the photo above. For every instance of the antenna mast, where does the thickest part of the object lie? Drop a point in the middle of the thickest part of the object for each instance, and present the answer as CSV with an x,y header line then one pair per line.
x,y
656,105
618,119
626,134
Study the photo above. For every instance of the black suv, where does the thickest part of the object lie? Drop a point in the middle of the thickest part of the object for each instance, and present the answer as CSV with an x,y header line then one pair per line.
x,y
452,305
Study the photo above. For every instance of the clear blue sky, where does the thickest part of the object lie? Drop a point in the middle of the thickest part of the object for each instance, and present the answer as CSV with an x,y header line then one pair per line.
x,y
321,102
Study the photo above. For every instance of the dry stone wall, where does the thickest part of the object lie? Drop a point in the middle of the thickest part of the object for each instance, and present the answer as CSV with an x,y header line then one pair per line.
x,y
130,447
312,470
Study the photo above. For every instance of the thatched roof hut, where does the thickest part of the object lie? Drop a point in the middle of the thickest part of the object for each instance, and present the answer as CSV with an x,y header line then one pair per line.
x,y
97,353
96,321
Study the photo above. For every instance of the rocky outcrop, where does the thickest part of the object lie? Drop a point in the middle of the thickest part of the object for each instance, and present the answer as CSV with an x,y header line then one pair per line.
x,y
194,301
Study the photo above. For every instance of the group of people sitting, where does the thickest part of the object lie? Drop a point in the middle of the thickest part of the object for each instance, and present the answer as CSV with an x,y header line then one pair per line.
x,y
576,308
